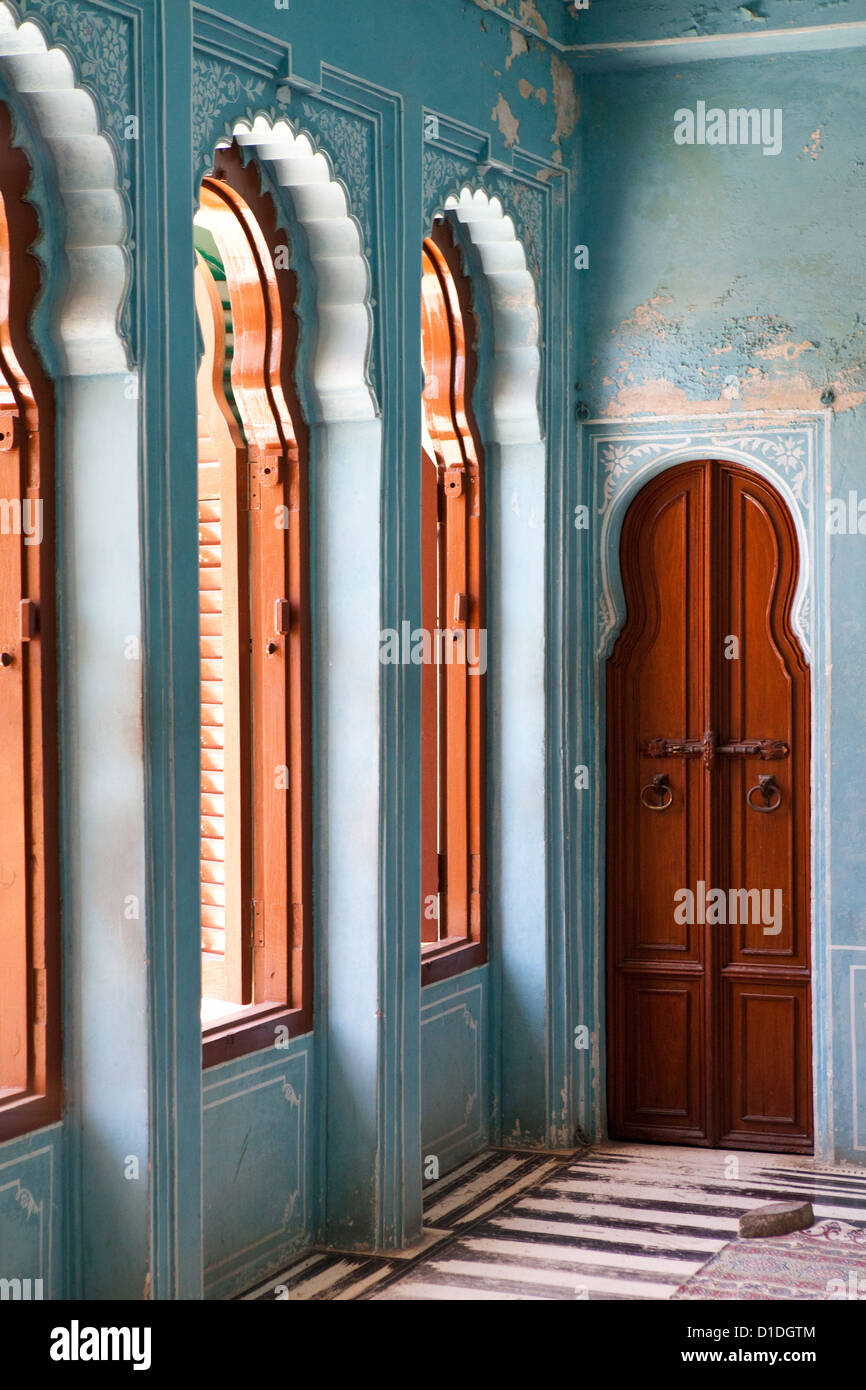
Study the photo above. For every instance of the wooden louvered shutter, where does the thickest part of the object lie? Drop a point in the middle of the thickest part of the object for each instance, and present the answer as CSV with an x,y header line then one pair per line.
x,y
274,531
224,637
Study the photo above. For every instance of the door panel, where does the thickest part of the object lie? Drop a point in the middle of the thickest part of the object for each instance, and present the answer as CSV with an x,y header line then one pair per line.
x,y
663,1088
765,1062
708,877
662,690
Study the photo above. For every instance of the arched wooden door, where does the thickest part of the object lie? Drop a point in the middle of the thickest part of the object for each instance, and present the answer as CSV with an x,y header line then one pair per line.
x,y
708,861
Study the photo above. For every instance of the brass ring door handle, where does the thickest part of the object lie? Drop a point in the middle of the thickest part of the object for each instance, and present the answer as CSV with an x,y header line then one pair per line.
x,y
767,786
659,785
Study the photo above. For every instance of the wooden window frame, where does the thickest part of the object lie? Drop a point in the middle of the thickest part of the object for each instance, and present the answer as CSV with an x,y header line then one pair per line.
x,y
276,461
30,991
453,723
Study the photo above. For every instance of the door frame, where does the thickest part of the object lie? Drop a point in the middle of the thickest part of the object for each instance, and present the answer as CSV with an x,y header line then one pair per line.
x,y
792,452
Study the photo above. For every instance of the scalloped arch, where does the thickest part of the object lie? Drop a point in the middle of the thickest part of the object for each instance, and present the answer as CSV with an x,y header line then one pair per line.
x,y
87,310
340,389
612,603
516,360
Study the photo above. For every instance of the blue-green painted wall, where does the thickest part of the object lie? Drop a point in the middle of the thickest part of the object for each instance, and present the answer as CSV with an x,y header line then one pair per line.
x,y
705,264
455,1113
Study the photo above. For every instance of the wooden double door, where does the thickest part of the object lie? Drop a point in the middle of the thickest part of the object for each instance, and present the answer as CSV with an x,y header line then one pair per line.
x,y
708,821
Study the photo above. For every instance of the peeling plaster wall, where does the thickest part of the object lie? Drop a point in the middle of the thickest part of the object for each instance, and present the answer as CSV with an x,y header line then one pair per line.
x,y
547,18
459,58
721,276
637,20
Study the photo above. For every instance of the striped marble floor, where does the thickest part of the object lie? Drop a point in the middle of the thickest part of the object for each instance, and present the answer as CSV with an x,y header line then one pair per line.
x,y
476,1189
616,1222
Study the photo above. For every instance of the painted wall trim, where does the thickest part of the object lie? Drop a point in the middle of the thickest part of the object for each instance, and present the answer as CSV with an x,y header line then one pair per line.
x,y
639,53
455,1118
597,57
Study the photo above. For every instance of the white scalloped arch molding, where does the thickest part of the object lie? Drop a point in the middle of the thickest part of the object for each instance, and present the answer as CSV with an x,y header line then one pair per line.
x,y
516,361
85,318
343,322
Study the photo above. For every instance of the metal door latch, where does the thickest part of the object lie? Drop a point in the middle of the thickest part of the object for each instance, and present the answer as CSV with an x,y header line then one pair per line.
x,y
708,746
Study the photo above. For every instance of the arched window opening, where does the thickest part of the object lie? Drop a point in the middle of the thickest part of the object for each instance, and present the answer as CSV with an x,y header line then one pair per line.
x,y
454,643
254,624
29,899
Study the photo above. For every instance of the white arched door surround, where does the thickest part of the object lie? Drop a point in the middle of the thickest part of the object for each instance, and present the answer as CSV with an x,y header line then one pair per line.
x,y
793,455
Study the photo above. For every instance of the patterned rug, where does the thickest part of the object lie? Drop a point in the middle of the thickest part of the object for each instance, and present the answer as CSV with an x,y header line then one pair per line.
x,y
826,1262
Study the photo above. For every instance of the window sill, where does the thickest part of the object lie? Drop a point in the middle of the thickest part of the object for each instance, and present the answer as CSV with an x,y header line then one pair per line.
x,y
26,1113
440,960
252,1031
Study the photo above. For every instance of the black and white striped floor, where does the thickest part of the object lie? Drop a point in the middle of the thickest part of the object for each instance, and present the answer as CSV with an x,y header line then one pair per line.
x,y
619,1221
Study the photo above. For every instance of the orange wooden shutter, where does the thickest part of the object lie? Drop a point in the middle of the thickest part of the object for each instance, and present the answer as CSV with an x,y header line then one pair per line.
x,y
14,772
29,896
453,606
224,637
